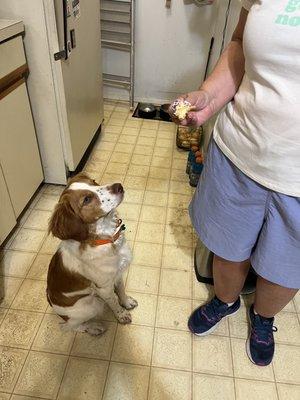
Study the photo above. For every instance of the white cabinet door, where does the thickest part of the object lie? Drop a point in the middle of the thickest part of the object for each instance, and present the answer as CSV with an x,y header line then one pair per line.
x,y
19,154
7,216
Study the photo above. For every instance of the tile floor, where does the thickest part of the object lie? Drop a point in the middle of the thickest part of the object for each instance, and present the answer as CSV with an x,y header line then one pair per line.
x,y
155,358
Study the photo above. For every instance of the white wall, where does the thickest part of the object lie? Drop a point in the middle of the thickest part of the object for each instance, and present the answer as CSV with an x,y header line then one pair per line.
x,y
171,50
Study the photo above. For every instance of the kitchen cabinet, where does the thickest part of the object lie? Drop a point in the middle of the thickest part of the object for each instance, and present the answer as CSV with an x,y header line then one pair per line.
x,y
7,215
20,164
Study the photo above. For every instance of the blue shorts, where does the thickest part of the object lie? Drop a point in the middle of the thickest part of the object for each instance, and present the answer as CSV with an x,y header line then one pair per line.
x,y
237,218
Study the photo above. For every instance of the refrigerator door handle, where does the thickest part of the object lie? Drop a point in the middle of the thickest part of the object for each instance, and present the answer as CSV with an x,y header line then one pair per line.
x,y
64,54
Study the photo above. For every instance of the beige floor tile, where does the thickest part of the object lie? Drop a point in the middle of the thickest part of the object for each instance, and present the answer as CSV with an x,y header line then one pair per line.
x,y
170,384
16,263
180,188
89,346
133,196
138,159
46,202
111,130
55,190
38,219
153,214
138,170
179,164
202,291
108,179
175,283
162,134
130,130
148,133
6,396
288,392
146,141
101,156
95,169
115,168
157,185
133,123
143,150
144,314
288,329
41,375
178,216
159,173
210,387
135,182
124,148
178,235
129,211
244,368
238,324
105,146
28,240
164,142
180,201
133,344
126,382
17,397
249,390
180,175
3,312
212,355
143,279
286,364
155,198
180,153
84,379
51,338
147,254
173,313
122,158
161,152
50,245
11,361
172,349
152,124
39,267
167,126
149,232
161,162
176,257
18,328
10,287
131,228
31,296
107,314
123,138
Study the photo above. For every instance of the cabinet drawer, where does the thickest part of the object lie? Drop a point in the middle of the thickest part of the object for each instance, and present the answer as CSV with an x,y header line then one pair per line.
x,y
19,154
12,56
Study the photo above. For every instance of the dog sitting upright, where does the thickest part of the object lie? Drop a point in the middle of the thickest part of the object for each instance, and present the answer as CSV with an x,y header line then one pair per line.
x,y
86,271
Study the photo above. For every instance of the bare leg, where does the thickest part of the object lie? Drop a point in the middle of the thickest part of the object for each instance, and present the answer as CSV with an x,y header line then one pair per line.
x,y
229,278
271,298
125,301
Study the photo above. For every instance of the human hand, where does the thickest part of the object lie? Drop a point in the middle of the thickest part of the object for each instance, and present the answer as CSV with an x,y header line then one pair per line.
x,y
200,111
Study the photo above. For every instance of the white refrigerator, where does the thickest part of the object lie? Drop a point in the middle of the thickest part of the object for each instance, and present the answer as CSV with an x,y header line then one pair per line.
x,y
63,50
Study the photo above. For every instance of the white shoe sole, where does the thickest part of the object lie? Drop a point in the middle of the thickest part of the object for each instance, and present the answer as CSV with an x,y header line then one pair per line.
x,y
213,328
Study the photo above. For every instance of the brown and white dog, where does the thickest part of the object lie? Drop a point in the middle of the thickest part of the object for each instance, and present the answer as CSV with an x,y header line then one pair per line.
x,y
86,271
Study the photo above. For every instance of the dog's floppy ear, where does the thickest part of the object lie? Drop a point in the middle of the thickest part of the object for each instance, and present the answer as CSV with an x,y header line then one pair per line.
x,y
65,224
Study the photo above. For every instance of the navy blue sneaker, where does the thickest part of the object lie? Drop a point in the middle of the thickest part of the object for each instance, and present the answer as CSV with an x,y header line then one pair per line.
x,y
260,344
205,319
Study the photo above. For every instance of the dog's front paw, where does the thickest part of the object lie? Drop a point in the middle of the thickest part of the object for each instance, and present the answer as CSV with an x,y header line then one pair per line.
x,y
130,303
124,317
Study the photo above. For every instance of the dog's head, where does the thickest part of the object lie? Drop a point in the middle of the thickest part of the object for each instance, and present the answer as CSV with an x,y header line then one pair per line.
x,y
82,203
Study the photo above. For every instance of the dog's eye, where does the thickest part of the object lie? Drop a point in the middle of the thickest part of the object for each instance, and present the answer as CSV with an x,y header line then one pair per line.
x,y
86,200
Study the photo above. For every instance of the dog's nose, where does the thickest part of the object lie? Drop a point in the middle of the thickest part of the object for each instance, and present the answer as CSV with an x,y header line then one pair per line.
x,y
117,188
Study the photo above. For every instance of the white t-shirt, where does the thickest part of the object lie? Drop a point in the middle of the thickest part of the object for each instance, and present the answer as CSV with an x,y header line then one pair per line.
x,y
259,130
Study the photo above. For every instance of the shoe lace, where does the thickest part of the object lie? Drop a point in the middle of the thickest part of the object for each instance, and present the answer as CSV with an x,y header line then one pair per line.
x,y
212,310
263,329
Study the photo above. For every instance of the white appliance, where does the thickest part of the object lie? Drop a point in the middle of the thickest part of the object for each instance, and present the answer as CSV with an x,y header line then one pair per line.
x,y
63,49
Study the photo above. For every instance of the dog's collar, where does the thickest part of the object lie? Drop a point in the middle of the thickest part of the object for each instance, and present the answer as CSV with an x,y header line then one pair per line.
x,y
119,228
